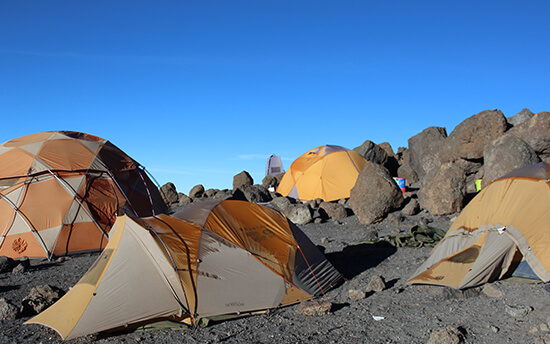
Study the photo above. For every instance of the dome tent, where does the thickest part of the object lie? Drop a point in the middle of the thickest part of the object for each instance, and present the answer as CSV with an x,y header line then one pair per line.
x,y
60,193
505,226
326,172
245,258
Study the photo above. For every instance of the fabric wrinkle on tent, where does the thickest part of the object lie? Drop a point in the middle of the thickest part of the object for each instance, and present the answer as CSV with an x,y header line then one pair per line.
x,y
240,259
327,172
505,226
60,193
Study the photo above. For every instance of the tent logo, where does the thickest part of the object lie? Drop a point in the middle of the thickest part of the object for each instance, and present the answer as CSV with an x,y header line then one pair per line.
x,y
234,304
269,233
19,245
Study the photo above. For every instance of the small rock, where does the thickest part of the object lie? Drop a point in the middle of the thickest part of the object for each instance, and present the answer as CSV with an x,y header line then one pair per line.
x,y
395,218
543,339
533,329
492,291
371,234
6,264
325,240
61,259
333,210
412,207
446,335
376,284
19,269
40,298
518,311
313,308
356,294
494,329
300,214
426,220
395,231
7,310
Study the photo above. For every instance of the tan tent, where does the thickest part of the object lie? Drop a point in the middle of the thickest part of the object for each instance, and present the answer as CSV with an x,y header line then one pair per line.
x,y
60,192
326,172
245,258
507,222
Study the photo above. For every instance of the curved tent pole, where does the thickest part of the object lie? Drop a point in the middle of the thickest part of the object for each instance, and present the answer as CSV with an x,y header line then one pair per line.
x,y
187,308
24,217
70,188
146,188
122,192
156,183
353,162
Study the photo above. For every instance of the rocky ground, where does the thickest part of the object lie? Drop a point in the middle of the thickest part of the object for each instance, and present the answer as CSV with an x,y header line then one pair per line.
x,y
503,312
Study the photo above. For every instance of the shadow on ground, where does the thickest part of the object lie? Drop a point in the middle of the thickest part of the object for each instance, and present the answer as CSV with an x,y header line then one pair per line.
x,y
355,259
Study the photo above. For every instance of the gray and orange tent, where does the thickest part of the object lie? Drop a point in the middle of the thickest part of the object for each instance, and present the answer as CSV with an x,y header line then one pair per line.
x,y
237,258
326,172
506,226
60,193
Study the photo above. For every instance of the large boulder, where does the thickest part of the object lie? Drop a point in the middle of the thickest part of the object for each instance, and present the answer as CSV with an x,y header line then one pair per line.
x,y
242,179
536,132
183,199
372,152
473,169
375,194
405,169
520,117
504,155
217,194
392,164
424,151
283,204
469,138
270,181
196,192
169,193
445,192
252,193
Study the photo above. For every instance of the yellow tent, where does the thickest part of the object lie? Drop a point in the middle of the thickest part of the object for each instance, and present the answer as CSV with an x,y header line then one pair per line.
x,y
243,258
507,222
326,172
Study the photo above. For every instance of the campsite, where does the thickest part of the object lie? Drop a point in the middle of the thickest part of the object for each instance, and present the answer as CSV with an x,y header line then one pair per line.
x,y
345,270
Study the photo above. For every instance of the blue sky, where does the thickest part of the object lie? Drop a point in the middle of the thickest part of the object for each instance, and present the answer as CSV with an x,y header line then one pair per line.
x,y
198,91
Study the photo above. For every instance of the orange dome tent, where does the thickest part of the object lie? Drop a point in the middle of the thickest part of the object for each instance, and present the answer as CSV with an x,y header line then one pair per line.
x,y
238,259
61,191
326,172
